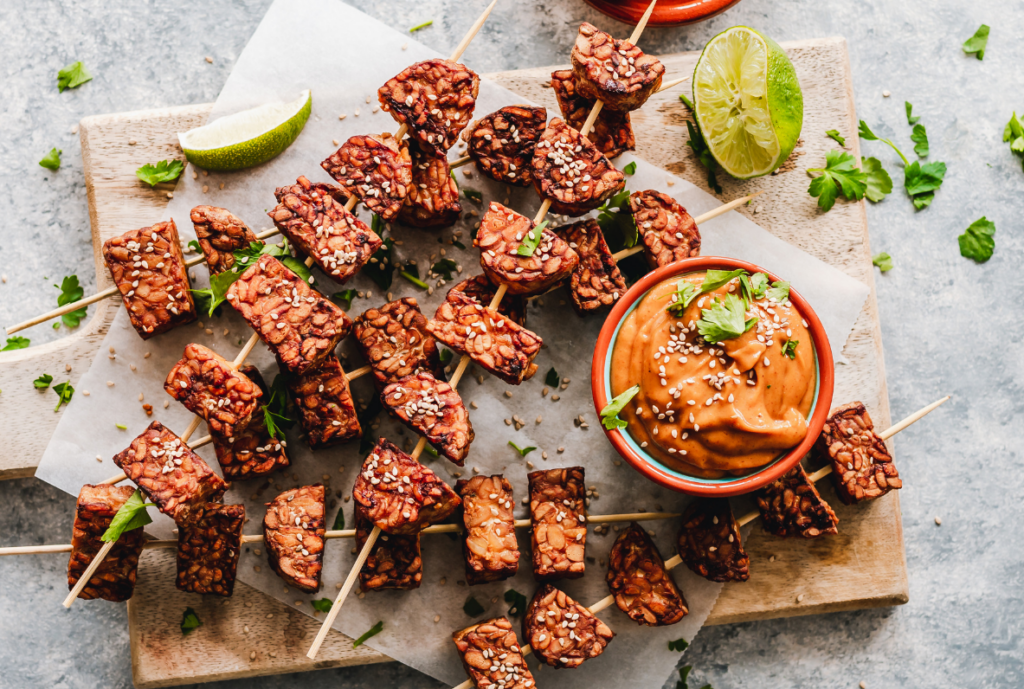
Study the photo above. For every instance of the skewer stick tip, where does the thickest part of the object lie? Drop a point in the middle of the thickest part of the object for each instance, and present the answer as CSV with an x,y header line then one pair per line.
x,y
643,23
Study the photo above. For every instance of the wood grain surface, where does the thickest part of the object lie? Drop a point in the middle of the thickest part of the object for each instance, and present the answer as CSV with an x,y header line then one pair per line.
x,y
252,634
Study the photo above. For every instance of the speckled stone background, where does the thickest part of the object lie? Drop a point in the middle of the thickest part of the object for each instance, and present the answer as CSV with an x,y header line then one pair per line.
x,y
949,325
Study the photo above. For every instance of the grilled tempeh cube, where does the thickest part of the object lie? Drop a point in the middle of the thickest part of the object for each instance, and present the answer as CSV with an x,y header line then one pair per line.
x,y
562,632
667,230
208,549
324,400
293,319
394,340
211,387
791,506
220,234
433,198
394,561
558,516
148,269
252,451
169,473
314,218
293,531
614,71
400,495
435,98
642,586
596,281
862,468
432,408
491,654
709,541
114,579
489,544
498,344
502,143
377,169
571,172
481,290
502,232
612,132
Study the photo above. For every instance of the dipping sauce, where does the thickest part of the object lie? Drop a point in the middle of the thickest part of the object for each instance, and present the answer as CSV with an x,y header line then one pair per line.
x,y
712,409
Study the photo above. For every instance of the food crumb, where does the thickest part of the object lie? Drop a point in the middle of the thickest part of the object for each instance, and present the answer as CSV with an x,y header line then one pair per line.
x,y
886,93
209,60
938,521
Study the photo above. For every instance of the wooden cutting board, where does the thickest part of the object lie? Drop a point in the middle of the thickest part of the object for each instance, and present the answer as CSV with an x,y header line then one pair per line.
x,y
252,634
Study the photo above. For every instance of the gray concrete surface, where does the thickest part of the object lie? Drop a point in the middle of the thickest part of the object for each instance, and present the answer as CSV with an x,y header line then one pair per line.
x,y
950,326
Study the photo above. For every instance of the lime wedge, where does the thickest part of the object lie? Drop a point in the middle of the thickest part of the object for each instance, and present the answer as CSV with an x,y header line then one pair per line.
x,y
247,138
747,101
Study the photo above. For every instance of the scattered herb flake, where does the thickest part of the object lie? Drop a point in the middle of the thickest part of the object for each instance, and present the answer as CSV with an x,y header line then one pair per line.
x,y
523,451
344,298
339,520
16,342
532,240
472,607
882,261
610,414
70,292
518,602
473,195
72,76
725,320
615,219
920,139
194,245
445,355
839,176
421,26
431,450
878,184
456,242
121,426
835,136
445,267
129,517
910,113
374,631
551,379
51,161
975,45
779,291
921,182
789,348
43,381
64,393
190,621
678,645
322,604
978,240
164,171
630,169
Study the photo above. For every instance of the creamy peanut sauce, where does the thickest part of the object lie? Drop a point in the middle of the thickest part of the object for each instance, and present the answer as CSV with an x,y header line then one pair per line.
x,y
720,409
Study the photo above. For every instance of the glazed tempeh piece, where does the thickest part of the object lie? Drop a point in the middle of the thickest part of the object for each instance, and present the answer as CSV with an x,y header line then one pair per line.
x,y
293,319
614,71
489,542
432,408
327,411
210,387
169,473
502,143
377,169
558,516
251,452
394,340
293,531
862,467
612,132
489,338
792,506
208,549
433,198
314,218
502,232
569,171
491,654
114,579
435,98
709,541
220,234
148,269
481,290
400,495
642,587
546,626
596,281
667,230
394,561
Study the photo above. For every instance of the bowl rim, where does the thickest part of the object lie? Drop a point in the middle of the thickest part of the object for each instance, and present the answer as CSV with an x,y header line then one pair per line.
x,y
648,466
672,13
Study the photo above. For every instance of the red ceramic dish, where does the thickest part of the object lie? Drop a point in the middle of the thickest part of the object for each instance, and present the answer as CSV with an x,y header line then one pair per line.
x,y
666,12
655,470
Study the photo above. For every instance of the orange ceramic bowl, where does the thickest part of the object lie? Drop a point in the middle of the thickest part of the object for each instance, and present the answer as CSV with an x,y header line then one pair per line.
x,y
666,12
653,468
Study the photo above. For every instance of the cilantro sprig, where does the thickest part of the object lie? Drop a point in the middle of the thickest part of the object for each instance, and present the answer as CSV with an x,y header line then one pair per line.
x,y
531,240
411,273
610,414
878,183
725,320
208,300
911,120
865,133
978,241
70,292
275,411
839,176
523,451
445,267
164,171
132,515
16,342
72,76
920,181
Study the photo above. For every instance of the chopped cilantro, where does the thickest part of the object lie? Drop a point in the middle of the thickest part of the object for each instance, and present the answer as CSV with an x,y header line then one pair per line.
x,y
552,379
532,240
412,274
64,393
431,450
615,218
70,292
629,169
445,355
878,184
473,195
421,26
678,645
865,133
835,136
132,515
713,279
51,161
1014,134
43,381
456,242
472,607
921,182
610,414
344,298
978,240
910,113
374,631
523,451
789,348
882,261
444,268
839,176
339,520
920,139
190,621
758,285
72,76
975,45
779,291
275,410
16,342
164,171
518,602
322,604
724,320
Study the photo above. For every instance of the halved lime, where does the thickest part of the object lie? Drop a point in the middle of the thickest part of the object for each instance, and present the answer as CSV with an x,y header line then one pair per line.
x,y
747,101
247,138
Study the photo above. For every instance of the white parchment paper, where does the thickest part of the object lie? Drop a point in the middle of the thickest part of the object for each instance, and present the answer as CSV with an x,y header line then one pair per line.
x,y
297,47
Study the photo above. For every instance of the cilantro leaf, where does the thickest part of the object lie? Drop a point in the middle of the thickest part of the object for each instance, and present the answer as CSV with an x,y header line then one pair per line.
x,y
194,245
910,113
421,26
344,298
610,414
445,355
724,320
713,279
445,267
374,631
779,291
882,261
834,135
678,645
299,267
920,139
72,76
247,256
552,379
878,184
789,348
865,133
975,45
473,195
472,607
978,240
518,602
190,621
615,219
70,292
132,515
684,293
840,175
51,161
275,411
64,393
339,520
758,285
921,182
523,451
629,169
532,240
43,381
380,268
16,342
209,300
412,274
684,673
164,171
322,604
703,153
